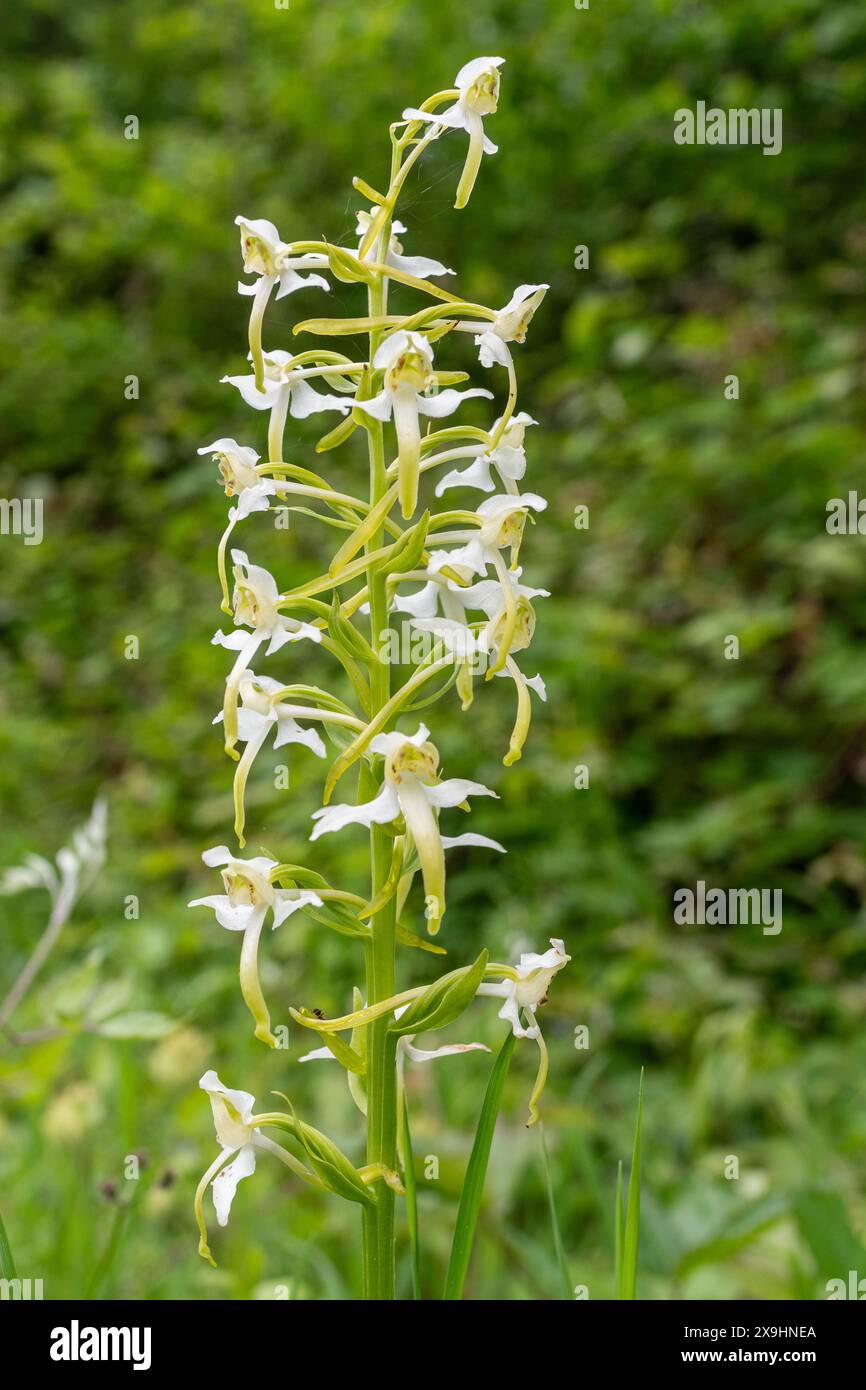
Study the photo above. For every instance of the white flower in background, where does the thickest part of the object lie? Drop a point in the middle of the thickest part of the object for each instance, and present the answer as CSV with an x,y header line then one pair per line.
x,y
411,789
239,1136
240,478
508,458
265,255
478,85
422,267
283,392
255,606
407,361
509,326
248,898
501,521
75,866
523,988
258,714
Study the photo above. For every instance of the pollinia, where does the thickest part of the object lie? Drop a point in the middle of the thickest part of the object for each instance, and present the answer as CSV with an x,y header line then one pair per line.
x,y
449,576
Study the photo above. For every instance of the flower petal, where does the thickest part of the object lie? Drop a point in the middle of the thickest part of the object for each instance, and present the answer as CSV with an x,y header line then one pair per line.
x,y
379,811
225,1183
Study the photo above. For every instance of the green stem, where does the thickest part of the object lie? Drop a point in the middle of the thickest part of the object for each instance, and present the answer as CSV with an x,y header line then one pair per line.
x,y
379,1238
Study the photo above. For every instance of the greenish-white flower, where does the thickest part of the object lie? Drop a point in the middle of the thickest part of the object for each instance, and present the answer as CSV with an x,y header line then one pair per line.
x,y
256,595
238,1133
249,896
509,326
508,458
407,362
477,85
523,988
412,789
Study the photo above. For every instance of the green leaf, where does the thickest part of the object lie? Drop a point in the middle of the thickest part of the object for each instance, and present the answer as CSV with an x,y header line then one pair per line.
x,y
558,1246
632,1214
336,436
476,1171
823,1222
332,1165
618,1232
345,632
140,1023
421,943
443,1001
405,554
7,1264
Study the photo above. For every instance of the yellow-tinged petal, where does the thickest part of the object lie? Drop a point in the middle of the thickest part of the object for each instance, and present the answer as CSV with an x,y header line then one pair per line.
x,y
251,988
424,828
540,1080
198,1204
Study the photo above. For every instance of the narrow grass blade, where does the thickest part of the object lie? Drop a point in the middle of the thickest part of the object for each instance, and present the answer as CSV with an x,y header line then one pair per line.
x,y
618,1231
476,1171
632,1211
411,1203
7,1264
568,1287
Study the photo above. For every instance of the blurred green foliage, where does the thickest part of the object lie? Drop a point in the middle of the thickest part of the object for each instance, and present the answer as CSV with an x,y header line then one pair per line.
x,y
118,257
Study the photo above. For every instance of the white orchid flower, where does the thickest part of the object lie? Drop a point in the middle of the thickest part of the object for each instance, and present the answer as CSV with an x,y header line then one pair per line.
x,y
523,988
508,458
259,712
501,521
265,255
422,267
478,85
411,789
509,326
510,628
248,898
239,1136
240,478
283,392
407,361
255,606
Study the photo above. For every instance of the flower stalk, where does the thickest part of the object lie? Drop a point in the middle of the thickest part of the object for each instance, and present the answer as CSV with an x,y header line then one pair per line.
x,y
472,608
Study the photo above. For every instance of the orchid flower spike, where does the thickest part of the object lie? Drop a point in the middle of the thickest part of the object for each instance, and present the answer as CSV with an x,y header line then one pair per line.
x,y
265,255
524,987
239,1135
508,458
255,606
407,361
412,789
422,267
283,391
510,325
258,714
248,898
478,86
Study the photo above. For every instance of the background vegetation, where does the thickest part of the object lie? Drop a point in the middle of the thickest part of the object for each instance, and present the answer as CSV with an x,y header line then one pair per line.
x,y
707,516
